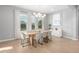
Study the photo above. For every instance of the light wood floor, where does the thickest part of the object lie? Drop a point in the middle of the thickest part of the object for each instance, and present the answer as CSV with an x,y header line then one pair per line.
x,y
55,46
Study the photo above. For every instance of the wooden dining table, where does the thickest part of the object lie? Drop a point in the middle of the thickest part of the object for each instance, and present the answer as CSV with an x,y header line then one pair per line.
x,y
31,36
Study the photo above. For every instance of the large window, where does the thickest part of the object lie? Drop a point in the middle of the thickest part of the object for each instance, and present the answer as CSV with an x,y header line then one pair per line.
x,y
33,23
40,24
23,22
56,19
40,18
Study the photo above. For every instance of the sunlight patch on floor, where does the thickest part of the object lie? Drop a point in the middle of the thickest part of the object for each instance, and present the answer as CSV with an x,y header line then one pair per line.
x,y
6,48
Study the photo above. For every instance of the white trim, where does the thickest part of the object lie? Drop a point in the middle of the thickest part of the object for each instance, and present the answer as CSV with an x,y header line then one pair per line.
x,y
70,37
4,40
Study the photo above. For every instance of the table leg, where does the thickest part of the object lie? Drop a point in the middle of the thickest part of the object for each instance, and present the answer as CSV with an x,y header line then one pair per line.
x,y
31,40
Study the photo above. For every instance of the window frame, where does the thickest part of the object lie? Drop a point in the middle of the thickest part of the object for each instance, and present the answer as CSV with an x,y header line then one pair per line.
x,y
26,22
55,21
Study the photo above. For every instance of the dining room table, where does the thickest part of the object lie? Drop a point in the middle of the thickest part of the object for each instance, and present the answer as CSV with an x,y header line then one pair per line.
x,y
31,36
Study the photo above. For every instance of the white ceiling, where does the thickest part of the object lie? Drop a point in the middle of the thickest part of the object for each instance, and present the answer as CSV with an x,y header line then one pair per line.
x,y
44,8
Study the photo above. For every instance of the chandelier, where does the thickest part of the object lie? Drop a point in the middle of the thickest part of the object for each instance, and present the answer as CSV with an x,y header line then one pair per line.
x,y
39,15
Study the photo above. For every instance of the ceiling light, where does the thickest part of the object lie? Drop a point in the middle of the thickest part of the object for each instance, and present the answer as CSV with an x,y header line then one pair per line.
x,y
44,15
34,13
39,15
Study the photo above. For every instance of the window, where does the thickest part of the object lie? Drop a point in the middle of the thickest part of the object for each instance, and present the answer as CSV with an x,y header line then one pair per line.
x,y
39,24
23,22
56,19
33,26
33,23
39,17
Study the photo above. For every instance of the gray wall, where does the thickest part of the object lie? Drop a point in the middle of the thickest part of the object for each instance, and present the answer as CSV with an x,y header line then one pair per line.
x,y
78,25
69,23
46,22
77,11
6,22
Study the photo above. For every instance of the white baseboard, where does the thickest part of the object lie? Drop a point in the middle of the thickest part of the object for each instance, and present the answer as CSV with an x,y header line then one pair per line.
x,y
4,40
70,37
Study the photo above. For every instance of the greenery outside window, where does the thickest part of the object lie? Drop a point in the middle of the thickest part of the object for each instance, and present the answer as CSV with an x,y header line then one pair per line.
x,y
33,22
23,22
33,26
40,24
23,26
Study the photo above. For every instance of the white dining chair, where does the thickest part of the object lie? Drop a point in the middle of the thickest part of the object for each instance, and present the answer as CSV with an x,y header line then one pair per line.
x,y
50,35
24,39
39,38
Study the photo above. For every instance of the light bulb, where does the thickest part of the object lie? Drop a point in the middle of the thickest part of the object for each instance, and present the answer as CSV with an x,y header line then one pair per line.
x,y
34,13
44,15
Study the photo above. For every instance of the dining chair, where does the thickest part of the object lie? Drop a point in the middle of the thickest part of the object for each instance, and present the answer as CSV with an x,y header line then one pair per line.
x,y
39,38
45,37
50,35
24,39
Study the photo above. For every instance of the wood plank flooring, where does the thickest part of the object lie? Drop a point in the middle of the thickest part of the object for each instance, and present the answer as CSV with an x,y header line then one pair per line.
x,y
57,45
